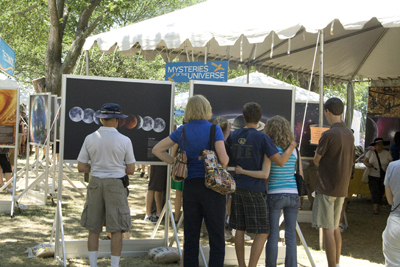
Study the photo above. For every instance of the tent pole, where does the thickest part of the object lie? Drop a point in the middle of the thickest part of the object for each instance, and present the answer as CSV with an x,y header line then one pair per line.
x,y
87,62
321,80
248,74
350,104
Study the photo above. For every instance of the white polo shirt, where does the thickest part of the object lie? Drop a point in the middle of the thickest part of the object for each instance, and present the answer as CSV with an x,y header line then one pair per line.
x,y
108,152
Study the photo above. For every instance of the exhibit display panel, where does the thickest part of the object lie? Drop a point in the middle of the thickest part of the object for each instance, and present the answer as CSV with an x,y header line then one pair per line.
x,y
39,117
383,117
307,149
228,99
8,115
148,105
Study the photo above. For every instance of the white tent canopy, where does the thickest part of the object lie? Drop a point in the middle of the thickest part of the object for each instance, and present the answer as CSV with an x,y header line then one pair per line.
x,y
361,37
259,78
6,83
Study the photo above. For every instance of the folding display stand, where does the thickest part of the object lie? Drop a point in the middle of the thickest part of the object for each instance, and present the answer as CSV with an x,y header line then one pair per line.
x,y
4,204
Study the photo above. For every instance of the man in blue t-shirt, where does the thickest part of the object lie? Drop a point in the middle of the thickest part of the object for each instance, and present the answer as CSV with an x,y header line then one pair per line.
x,y
249,211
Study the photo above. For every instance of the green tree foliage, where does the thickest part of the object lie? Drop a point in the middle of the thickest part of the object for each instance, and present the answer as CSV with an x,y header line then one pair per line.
x,y
24,25
48,35
116,65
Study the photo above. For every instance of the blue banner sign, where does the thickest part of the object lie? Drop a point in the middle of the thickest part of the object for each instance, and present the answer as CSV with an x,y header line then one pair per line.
x,y
216,71
7,58
178,113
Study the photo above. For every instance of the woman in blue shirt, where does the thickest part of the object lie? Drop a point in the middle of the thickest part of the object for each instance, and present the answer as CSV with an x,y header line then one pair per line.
x,y
198,201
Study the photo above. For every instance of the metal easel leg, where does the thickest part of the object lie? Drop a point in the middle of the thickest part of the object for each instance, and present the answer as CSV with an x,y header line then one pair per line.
x,y
304,243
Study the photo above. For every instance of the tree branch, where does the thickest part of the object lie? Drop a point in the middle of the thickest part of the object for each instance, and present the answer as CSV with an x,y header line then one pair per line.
x,y
22,13
60,8
81,33
65,20
52,5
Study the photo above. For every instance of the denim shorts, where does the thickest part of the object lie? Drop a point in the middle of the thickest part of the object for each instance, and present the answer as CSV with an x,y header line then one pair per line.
x,y
106,204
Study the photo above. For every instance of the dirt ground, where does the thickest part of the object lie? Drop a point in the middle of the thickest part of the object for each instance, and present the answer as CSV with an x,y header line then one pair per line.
x,y
362,242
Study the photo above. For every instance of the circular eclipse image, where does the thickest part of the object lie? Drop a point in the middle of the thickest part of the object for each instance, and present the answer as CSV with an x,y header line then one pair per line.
x,y
148,123
76,114
130,121
88,115
96,120
159,125
139,124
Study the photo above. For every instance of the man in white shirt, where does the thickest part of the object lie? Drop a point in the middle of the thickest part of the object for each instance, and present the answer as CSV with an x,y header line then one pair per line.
x,y
111,160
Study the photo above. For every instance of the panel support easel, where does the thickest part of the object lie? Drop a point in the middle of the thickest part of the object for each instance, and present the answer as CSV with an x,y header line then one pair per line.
x,y
303,241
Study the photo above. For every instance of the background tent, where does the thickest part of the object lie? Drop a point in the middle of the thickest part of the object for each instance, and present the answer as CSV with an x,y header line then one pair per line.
x,y
357,39
361,38
6,83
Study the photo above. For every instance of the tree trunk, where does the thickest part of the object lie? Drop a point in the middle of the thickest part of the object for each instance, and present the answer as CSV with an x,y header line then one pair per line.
x,y
53,52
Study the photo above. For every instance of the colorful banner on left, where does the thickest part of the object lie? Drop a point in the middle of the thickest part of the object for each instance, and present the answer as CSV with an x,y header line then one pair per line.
x,y
7,58
8,116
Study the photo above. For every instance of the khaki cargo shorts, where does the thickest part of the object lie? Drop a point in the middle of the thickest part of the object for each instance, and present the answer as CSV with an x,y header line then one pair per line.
x,y
106,204
326,211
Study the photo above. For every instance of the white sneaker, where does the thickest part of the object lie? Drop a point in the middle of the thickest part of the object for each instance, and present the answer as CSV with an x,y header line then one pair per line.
x,y
228,235
10,190
246,237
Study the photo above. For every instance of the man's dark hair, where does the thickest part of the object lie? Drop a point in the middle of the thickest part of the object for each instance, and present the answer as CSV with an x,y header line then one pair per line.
x,y
334,105
397,138
252,112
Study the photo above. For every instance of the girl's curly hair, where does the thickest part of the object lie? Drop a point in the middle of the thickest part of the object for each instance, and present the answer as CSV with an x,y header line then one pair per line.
x,y
278,129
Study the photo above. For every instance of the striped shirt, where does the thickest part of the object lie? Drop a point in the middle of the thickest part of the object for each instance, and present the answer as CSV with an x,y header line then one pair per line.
x,y
281,179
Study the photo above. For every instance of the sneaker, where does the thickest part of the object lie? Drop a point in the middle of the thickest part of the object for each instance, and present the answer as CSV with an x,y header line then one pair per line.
x,y
142,175
246,237
228,235
10,190
150,218
342,227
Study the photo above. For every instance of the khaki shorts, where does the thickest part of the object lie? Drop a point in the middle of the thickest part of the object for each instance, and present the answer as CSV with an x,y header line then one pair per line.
x,y
106,204
326,211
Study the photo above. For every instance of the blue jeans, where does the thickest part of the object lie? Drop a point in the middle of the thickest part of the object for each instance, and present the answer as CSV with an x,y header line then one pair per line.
x,y
290,204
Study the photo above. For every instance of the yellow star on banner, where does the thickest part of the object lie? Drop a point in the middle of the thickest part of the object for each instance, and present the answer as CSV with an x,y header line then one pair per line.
x,y
218,67
170,78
